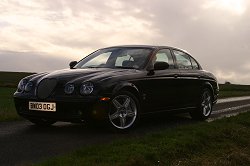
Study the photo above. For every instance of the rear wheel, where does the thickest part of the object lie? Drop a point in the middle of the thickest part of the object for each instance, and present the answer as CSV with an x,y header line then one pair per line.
x,y
42,122
205,107
124,111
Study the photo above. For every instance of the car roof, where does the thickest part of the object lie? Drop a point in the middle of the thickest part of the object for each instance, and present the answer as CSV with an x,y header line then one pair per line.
x,y
147,46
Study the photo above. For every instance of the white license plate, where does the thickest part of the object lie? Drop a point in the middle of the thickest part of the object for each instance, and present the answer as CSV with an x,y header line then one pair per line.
x,y
42,106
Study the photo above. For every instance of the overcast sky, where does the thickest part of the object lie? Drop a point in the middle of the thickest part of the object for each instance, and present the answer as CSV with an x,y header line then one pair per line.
x,y
42,35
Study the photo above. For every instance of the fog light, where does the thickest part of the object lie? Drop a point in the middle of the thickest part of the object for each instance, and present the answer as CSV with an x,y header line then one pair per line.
x,y
104,98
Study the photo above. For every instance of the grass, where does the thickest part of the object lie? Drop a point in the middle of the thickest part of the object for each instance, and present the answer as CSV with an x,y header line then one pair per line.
x,y
222,142
11,79
8,84
7,108
232,90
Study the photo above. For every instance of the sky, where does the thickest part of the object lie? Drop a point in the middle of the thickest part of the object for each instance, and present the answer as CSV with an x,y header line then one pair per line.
x,y
45,35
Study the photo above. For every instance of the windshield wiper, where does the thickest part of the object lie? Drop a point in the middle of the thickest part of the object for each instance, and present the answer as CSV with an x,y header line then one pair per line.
x,y
125,67
92,67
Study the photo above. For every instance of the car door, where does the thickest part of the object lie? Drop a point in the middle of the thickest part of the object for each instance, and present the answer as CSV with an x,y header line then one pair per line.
x,y
161,87
189,77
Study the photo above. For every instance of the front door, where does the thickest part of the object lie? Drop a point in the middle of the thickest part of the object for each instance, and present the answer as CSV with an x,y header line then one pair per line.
x,y
162,88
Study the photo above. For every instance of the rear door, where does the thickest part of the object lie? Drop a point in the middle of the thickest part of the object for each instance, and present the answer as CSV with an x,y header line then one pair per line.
x,y
189,77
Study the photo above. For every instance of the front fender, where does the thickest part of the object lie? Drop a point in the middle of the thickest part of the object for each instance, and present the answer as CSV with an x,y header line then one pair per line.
x,y
122,85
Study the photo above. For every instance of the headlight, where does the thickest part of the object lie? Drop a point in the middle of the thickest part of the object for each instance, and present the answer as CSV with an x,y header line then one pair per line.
x,y
21,85
28,86
86,88
69,89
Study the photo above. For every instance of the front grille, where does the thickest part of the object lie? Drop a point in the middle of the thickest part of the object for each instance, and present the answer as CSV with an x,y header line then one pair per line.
x,y
45,88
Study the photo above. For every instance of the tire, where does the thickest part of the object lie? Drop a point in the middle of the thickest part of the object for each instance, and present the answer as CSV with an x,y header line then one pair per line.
x,y
42,122
205,106
124,111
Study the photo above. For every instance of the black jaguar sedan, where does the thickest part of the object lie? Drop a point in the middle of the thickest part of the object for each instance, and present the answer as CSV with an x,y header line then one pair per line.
x,y
118,85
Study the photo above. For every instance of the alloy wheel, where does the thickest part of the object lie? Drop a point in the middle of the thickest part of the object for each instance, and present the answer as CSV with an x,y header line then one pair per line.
x,y
206,104
124,112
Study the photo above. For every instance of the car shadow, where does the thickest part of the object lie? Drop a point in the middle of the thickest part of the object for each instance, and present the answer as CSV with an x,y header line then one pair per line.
x,y
147,124
27,142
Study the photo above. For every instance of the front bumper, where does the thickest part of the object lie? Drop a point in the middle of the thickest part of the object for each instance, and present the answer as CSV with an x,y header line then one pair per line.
x,y
67,109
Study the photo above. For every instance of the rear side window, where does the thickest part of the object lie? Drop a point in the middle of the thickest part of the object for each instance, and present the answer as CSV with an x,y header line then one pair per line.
x,y
182,60
164,55
194,64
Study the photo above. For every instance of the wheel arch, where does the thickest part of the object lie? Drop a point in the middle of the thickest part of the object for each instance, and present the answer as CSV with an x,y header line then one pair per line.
x,y
209,86
127,86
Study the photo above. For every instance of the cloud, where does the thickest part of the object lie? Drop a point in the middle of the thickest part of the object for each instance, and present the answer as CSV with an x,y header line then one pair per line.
x,y
233,76
215,32
32,61
70,27
218,39
233,6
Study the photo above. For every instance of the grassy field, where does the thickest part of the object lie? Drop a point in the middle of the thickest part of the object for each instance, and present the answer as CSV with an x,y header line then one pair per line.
x,y
232,90
222,142
11,79
8,84
7,108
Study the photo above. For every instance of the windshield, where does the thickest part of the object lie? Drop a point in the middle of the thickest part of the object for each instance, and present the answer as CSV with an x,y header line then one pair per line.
x,y
128,58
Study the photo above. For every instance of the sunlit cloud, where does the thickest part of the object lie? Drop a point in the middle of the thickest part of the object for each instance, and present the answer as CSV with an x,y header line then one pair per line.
x,y
232,76
215,32
225,76
246,66
40,26
237,7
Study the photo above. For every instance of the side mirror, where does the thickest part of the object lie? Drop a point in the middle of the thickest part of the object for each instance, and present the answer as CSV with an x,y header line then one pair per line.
x,y
161,66
72,64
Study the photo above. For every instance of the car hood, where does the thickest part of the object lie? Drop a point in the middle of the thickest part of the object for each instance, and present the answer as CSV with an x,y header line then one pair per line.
x,y
91,74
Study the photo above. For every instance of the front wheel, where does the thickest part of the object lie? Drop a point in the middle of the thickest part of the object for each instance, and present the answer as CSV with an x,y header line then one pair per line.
x,y
124,111
205,107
